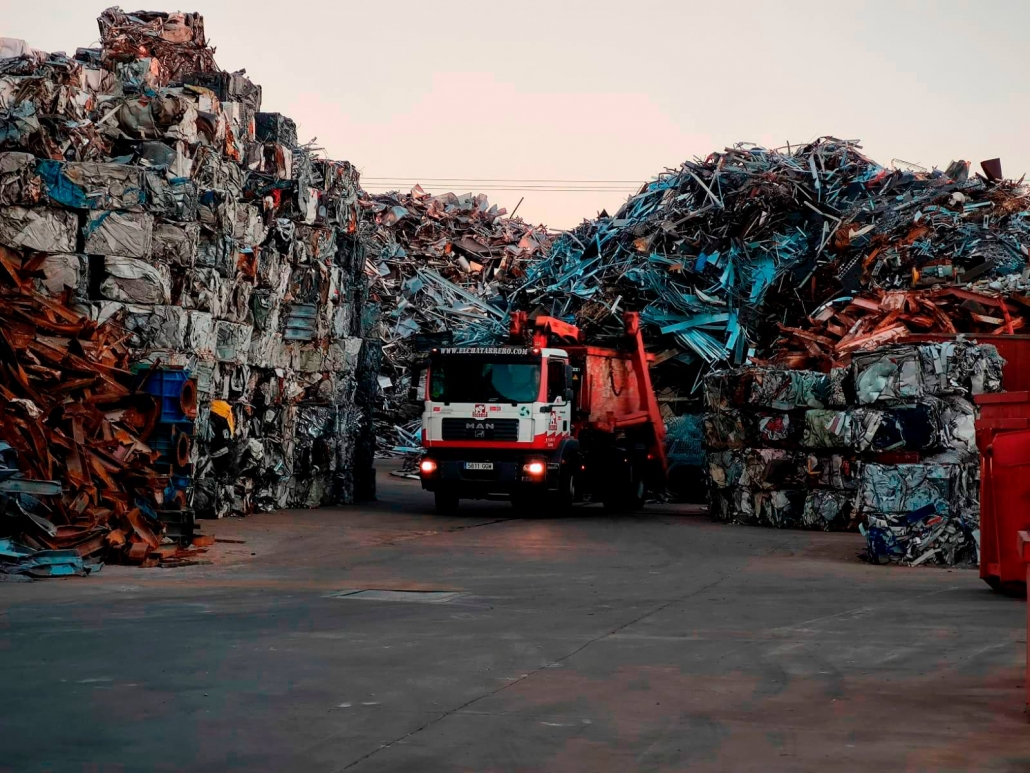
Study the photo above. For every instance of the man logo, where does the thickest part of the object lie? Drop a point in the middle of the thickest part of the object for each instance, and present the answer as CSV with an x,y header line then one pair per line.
x,y
479,429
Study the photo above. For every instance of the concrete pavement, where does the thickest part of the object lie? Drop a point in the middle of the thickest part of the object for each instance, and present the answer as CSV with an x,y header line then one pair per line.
x,y
659,642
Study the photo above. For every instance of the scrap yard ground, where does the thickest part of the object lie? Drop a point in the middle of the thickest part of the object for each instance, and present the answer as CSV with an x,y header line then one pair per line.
x,y
585,642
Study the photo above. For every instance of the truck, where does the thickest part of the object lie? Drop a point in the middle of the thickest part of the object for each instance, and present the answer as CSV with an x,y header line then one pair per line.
x,y
546,420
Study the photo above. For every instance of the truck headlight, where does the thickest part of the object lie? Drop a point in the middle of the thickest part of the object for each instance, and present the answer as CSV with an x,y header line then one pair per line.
x,y
427,467
534,469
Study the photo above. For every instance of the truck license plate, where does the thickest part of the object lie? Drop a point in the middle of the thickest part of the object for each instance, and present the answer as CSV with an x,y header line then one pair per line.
x,y
479,465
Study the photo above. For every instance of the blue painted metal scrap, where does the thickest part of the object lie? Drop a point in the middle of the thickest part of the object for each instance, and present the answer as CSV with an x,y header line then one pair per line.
x,y
18,559
719,251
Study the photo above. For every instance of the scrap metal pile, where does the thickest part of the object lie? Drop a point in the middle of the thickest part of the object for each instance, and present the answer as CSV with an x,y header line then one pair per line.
x,y
78,480
726,254
440,265
886,445
832,333
154,218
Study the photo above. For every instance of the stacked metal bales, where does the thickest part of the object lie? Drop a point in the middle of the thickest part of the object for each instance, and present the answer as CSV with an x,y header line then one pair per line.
x,y
159,197
886,445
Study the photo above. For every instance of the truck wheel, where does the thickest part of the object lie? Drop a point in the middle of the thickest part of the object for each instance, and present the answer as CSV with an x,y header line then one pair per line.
x,y
566,493
446,502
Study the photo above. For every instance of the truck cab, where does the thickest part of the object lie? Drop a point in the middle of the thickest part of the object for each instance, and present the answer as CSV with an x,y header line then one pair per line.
x,y
543,420
498,422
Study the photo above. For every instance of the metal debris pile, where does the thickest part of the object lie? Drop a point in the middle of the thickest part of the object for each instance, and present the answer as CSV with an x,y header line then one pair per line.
x,y
720,252
886,445
146,200
830,335
440,266
78,480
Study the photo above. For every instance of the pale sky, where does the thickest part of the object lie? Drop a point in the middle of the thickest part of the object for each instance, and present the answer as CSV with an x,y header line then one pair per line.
x,y
609,90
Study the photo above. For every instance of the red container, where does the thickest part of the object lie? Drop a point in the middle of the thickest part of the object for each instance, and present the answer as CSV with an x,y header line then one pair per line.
x,y
1024,551
1004,506
1000,412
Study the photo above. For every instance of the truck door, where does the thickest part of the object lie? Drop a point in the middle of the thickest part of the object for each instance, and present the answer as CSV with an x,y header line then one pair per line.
x,y
559,399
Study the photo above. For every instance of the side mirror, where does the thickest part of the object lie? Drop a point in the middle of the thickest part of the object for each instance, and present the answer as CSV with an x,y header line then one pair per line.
x,y
413,396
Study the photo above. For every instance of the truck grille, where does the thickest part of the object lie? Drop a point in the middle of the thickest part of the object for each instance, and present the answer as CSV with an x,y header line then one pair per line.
x,y
481,429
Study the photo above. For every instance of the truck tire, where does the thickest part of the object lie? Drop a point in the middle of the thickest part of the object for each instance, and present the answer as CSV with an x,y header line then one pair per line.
x,y
563,498
446,502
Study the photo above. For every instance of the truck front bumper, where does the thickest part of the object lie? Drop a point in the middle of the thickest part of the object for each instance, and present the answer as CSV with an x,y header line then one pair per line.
x,y
456,471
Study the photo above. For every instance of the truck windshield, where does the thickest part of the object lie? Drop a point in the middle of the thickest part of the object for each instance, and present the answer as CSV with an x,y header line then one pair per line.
x,y
483,380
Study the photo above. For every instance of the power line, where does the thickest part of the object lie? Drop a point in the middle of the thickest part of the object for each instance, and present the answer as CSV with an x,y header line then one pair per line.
x,y
508,180
481,188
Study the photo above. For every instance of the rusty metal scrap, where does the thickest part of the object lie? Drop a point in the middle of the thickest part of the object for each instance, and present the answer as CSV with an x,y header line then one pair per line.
x,y
69,412
174,42
834,331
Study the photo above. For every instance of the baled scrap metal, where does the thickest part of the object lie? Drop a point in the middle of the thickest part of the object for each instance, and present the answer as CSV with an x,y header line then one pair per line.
x,y
46,107
919,514
171,198
828,510
725,430
64,273
911,402
781,508
826,429
178,233
176,244
19,182
776,430
785,390
834,471
176,40
905,488
909,372
731,388
725,468
85,185
135,281
122,234
39,229
862,430
771,469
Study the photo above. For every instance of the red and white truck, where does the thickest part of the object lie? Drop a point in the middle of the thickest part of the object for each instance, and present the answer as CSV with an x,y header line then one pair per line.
x,y
547,420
